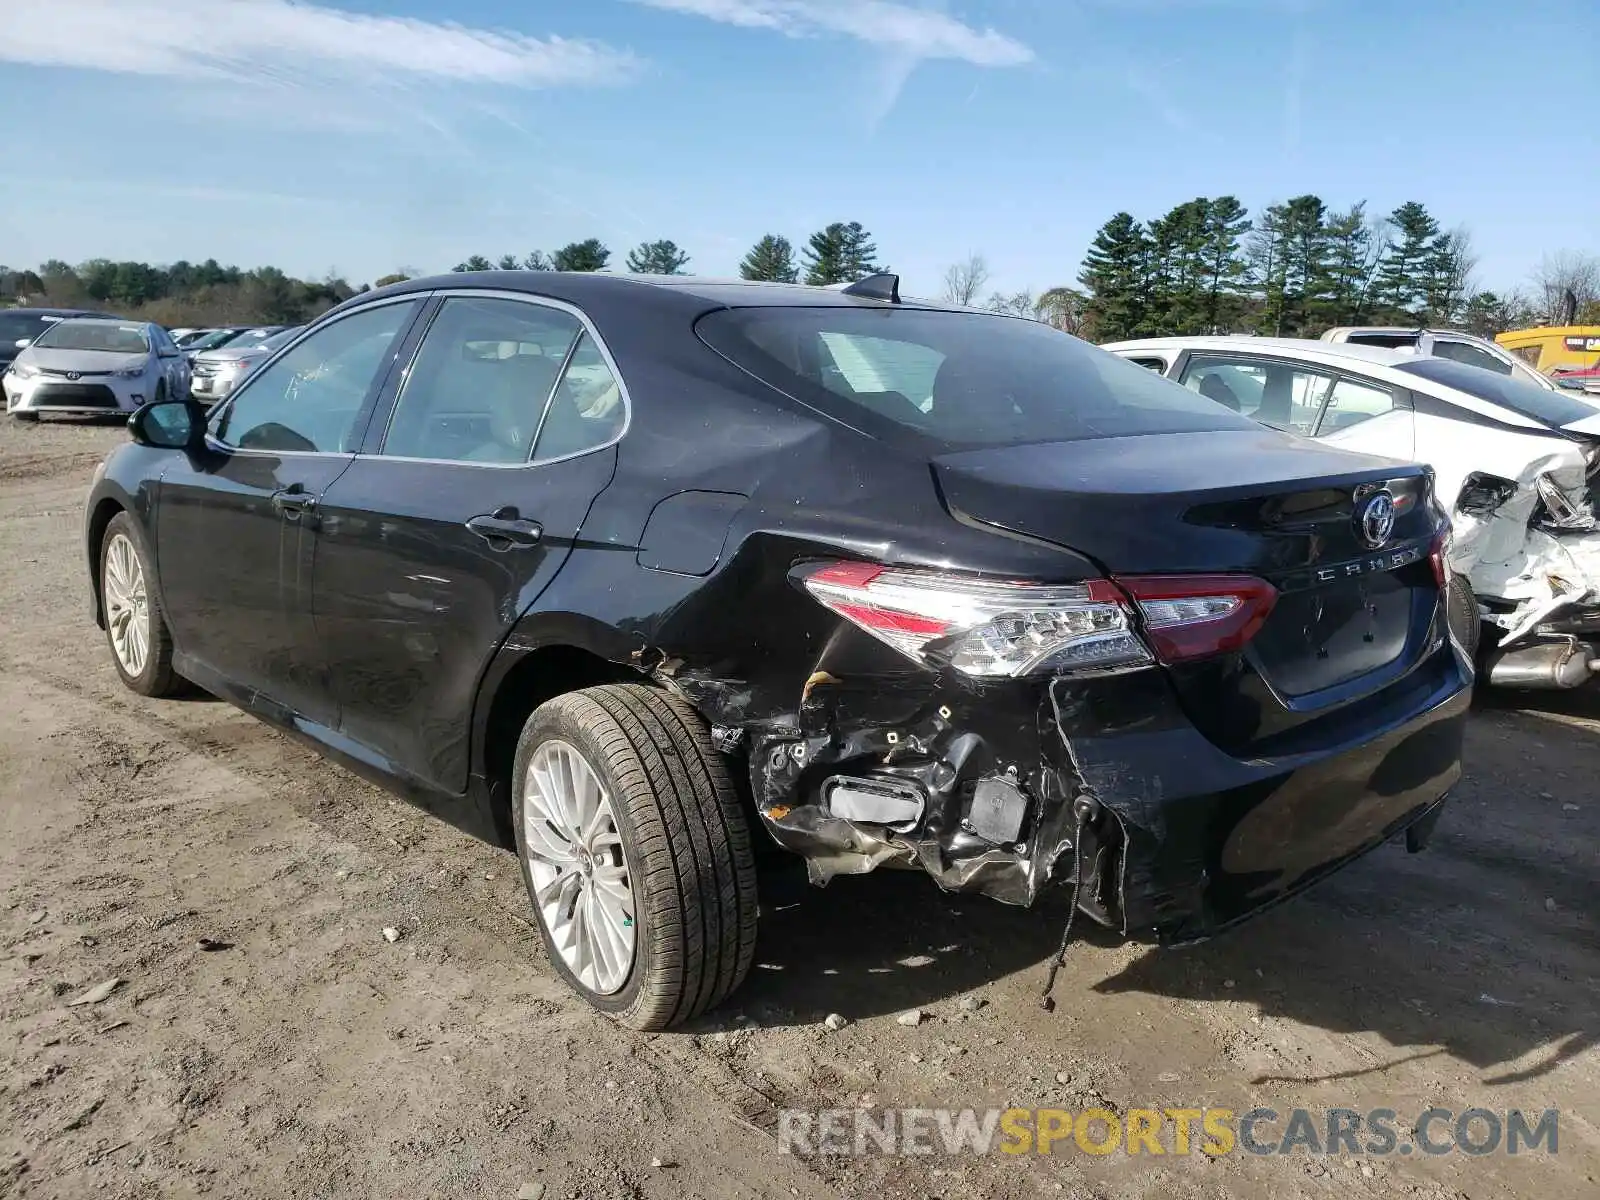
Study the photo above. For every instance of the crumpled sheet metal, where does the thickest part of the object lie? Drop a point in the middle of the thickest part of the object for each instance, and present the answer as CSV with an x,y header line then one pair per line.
x,y
946,757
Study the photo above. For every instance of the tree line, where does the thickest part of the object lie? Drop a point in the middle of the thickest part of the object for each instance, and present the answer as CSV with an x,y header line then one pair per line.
x,y
1300,267
840,253
1295,269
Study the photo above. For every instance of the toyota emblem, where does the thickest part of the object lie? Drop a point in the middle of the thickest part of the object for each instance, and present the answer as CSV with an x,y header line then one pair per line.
x,y
74,375
1375,518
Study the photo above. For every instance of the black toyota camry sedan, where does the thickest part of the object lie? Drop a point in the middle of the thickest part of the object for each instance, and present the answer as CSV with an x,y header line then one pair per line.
x,y
625,573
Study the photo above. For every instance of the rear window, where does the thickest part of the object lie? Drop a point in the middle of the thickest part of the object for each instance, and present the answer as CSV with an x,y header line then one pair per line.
x,y
94,335
1390,341
1554,409
960,379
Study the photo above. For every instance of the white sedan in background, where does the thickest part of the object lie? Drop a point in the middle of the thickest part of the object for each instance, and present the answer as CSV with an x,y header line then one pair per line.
x,y
1516,466
94,367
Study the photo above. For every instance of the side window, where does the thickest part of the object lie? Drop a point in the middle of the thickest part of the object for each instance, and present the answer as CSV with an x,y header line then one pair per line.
x,y
309,399
481,381
1461,352
1158,365
587,409
1283,395
1353,401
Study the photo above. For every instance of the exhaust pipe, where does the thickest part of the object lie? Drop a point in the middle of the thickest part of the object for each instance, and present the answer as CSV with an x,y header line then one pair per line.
x,y
1551,665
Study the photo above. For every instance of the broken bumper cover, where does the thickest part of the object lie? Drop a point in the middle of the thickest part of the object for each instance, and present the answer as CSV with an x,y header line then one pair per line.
x,y
1180,839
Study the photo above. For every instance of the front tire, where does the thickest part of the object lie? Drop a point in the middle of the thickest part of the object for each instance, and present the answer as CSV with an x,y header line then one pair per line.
x,y
1461,606
136,628
26,416
636,853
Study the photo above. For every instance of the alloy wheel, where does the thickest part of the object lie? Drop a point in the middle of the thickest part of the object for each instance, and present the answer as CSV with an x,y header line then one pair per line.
x,y
579,870
127,605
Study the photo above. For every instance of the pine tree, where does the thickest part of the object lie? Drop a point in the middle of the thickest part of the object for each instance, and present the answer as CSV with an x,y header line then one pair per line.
x,y
771,260
657,258
1115,276
538,260
476,263
1399,284
1352,259
1305,274
841,253
1226,222
509,262
587,255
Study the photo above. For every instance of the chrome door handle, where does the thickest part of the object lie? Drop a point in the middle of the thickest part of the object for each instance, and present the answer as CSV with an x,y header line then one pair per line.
x,y
292,501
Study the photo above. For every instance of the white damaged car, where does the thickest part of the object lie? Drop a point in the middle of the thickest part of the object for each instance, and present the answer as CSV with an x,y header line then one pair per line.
x,y
1516,466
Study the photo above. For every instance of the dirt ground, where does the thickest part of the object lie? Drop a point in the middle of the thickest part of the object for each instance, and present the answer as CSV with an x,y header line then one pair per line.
x,y
304,1055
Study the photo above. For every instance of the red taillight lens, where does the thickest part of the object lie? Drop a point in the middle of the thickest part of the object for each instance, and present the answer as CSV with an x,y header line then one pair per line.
x,y
1002,628
1439,559
1192,616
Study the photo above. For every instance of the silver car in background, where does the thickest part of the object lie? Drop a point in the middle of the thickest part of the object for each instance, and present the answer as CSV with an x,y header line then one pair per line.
x,y
218,372
95,367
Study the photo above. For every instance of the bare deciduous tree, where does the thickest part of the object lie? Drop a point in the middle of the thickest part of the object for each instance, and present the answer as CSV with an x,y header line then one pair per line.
x,y
1564,283
964,280
1018,304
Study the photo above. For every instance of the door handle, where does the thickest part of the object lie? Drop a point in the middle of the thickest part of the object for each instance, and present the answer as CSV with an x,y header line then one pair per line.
x,y
293,500
504,527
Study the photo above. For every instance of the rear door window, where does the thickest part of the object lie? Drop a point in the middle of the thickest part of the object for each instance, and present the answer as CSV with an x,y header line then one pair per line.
x,y
955,379
1287,396
1352,401
481,381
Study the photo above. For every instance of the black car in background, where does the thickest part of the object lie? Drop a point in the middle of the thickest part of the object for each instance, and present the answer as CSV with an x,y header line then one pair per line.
x,y
614,569
26,324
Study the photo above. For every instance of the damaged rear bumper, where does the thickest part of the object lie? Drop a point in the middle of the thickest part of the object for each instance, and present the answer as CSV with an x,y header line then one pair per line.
x,y
986,791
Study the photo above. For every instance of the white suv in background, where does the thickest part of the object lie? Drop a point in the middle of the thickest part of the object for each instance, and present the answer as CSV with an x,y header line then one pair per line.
x,y
1442,343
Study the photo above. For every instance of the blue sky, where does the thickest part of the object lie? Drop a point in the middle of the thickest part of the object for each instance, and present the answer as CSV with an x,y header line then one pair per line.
x,y
365,136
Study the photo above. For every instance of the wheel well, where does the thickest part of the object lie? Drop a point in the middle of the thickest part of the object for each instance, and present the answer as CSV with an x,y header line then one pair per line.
x,y
538,676
103,514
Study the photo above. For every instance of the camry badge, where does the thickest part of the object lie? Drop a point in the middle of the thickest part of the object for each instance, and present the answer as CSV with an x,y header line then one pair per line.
x,y
1375,518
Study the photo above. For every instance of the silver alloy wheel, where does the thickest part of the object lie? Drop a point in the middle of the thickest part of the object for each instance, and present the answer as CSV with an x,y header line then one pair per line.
x,y
580,873
127,604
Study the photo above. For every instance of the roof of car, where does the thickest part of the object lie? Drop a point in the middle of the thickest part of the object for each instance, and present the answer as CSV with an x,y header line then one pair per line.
x,y
53,312
1317,351
576,286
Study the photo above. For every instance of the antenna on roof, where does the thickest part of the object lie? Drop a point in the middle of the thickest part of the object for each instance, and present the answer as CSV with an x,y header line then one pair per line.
x,y
882,286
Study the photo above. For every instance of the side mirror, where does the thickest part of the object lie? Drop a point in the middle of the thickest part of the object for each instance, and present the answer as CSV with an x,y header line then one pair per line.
x,y
169,425
23,343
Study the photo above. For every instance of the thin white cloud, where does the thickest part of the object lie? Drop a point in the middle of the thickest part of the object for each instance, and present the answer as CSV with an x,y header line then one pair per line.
x,y
285,39
921,33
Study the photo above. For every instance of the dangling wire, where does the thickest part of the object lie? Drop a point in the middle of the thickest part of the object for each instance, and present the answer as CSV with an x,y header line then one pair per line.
x,y
1047,1002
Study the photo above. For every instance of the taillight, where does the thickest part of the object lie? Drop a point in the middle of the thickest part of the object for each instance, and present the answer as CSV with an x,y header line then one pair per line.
x,y
1439,558
1191,616
1005,629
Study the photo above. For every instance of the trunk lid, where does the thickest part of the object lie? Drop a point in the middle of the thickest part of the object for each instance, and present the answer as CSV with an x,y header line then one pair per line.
x,y
1353,614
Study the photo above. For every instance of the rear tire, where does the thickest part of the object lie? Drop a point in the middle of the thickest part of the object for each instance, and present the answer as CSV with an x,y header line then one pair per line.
x,y
684,861
136,628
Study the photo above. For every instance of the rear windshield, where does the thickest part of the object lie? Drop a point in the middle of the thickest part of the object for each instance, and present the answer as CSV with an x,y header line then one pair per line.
x,y
961,379
94,335
1553,409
